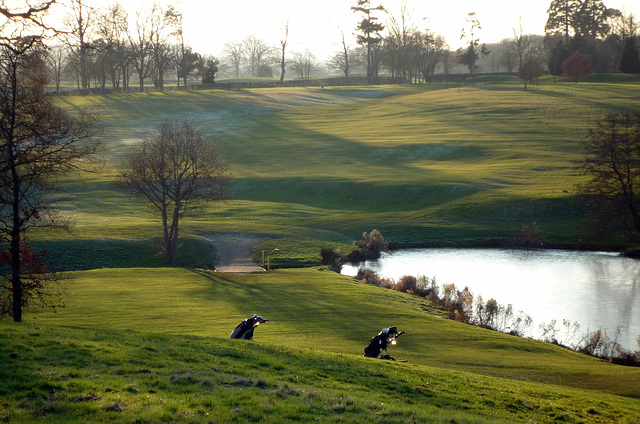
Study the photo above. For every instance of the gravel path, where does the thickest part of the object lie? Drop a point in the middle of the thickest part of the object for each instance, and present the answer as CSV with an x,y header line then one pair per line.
x,y
233,251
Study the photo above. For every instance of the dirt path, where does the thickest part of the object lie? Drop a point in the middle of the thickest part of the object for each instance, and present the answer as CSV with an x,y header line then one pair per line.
x,y
234,251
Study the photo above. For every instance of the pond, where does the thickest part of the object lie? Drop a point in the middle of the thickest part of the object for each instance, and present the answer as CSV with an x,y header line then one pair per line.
x,y
597,290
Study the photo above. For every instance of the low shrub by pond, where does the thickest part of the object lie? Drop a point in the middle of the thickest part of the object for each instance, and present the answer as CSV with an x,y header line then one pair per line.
x,y
463,306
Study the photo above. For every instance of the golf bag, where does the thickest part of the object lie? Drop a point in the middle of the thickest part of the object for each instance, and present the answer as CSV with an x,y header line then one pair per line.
x,y
379,343
244,330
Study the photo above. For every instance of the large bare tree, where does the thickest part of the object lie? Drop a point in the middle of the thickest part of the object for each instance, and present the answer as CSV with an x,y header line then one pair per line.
x,y
342,60
283,46
256,53
24,21
612,165
112,29
303,63
162,28
141,47
401,45
38,143
81,23
233,56
177,170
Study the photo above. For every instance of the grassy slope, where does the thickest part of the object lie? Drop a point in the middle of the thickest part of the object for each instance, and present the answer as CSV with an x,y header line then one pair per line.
x,y
154,341
313,167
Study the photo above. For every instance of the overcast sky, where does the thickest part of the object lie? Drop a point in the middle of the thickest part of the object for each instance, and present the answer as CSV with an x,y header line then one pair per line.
x,y
316,26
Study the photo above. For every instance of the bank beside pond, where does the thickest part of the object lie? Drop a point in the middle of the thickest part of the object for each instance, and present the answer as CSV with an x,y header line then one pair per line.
x,y
597,290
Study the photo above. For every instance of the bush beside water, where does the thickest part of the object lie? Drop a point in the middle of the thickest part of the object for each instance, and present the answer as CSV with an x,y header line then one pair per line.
x,y
463,306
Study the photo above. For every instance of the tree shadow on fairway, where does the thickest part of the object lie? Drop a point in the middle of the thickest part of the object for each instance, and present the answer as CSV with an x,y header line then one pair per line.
x,y
63,255
304,308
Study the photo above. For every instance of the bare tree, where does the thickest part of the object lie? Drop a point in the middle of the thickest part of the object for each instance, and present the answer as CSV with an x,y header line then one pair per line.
x,y
141,48
522,44
177,170
56,59
112,29
402,45
26,21
303,64
162,53
38,143
433,50
233,55
185,60
255,54
612,165
81,20
508,57
342,60
283,46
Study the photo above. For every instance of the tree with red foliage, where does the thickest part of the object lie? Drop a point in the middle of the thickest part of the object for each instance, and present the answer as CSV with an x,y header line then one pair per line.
x,y
576,66
38,283
532,67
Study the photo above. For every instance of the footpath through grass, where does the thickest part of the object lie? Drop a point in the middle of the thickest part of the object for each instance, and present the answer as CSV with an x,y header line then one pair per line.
x,y
154,342
311,167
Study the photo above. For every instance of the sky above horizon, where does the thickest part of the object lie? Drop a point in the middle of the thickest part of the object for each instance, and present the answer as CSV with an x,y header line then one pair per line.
x,y
317,26
209,24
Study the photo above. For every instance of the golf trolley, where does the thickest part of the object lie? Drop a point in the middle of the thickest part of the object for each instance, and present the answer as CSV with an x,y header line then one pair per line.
x,y
377,347
244,330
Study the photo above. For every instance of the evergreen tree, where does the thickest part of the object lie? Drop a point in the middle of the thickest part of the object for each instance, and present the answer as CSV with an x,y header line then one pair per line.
x,y
370,29
630,61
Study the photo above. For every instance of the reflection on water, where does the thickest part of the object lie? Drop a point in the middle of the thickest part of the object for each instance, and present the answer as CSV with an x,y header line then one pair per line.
x,y
596,289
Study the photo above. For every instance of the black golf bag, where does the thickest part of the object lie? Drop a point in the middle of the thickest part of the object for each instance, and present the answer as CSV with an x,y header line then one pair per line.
x,y
379,343
244,330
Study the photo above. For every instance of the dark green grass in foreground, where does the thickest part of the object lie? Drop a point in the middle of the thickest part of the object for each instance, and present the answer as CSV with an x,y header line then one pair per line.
x,y
320,323
424,164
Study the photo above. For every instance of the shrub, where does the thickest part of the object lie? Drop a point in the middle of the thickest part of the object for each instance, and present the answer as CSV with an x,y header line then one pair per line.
x,y
458,303
370,277
369,247
332,256
528,236
599,344
407,284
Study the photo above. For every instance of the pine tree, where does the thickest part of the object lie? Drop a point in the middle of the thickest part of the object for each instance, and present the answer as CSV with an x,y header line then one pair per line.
x,y
630,61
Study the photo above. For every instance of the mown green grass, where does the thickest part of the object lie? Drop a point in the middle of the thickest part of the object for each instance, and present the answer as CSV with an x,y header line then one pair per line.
x,y
431,164
154,342
312,167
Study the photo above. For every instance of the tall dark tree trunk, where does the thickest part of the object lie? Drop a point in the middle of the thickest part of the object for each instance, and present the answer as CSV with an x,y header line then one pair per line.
x,y
16,280
16,259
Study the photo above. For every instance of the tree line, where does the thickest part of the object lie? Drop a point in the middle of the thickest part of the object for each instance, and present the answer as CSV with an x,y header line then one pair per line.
x,y
108,48
605,39
100,48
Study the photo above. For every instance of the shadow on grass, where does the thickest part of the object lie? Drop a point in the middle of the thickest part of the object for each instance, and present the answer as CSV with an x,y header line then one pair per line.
x,y
73,255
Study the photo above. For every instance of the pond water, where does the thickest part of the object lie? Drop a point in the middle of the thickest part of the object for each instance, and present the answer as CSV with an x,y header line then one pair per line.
x,y
597,290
